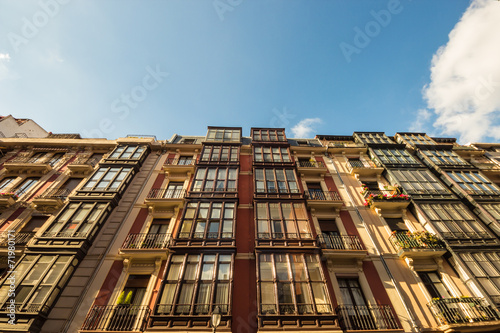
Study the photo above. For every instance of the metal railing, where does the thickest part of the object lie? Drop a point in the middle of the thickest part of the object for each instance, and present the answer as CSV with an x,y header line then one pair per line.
x,y
291,308
310,164
166,193
117,318
60,193
146,241
179,161
166,309
284,235
42,160
363,317
20,238
407,240
462,310
338,242
322,195
358,164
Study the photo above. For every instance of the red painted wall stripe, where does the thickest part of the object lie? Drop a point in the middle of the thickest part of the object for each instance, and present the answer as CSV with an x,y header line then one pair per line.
x,y
109,283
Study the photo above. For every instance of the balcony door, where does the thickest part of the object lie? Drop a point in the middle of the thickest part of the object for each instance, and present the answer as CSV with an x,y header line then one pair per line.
x,y
355,312
315,191
128,310
174,190
155,238
330,234
435,287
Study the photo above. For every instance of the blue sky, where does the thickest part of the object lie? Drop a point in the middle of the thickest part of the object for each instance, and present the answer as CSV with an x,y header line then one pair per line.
x,y
113,68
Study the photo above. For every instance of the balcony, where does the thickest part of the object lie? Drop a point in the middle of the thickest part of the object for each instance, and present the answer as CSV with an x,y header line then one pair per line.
x,y
51,201
311,167
179,166
465,314
19,238
417,245
82,165
365,169
386,200
367,318
323,199
162,202
117,318
341,247
28,165
145,245
7,200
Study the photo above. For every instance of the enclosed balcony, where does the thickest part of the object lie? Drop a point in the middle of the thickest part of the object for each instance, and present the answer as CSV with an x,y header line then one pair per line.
x,y
51,201
117,318
323,199
341,247
367,318
417,244
163,202
311,167
144,245
363,169
28,165
465,314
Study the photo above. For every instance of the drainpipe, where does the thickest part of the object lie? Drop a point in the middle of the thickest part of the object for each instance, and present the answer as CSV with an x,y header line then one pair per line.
x,y
414,325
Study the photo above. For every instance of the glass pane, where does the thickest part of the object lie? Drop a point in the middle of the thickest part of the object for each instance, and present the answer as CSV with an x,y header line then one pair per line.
x,y
313,268
298,268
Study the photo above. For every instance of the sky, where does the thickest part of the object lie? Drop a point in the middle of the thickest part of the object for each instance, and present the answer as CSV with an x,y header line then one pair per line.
x,y
127,67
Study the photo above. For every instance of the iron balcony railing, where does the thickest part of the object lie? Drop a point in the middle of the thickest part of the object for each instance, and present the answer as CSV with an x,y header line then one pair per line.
x,y
60,193
117,318
311,164
179,161
357,164
284,235
18,238
27,308
166,193
322,195
28,160
291,308
85,160
146,241
418,240
337,242
363,317
198,309
216,159
462,310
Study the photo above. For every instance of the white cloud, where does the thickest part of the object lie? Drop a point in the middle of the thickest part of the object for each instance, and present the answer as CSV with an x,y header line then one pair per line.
x,y
4,70
464,91
304,128
423,117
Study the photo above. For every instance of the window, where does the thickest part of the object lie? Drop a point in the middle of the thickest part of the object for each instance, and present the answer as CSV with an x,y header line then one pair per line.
x,y
493,209
292,284
454,221
485,266
6,182
275,181
127,152
37,157
174,190
195,284
134,290
395,156
224,135
38,278
373,138
396,224
282,220
107,179
219,154
25,186
268,135
271,155
434,285
215,180
444,157
203,220
56,158
419,182
354,311
474,182
77,220
420,139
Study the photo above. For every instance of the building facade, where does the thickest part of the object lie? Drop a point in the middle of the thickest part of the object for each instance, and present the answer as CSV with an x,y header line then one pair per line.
x,y
366,232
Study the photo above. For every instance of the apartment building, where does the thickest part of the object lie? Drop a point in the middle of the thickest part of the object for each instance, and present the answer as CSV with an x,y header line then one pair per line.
x,y
258,233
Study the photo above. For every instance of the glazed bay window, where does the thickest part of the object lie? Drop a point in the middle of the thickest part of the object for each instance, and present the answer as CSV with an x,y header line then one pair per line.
x,y
444,157
395,156
208,220
127,153
38,279
485,266
493,209
107,179
219,154
224,134
77,220
292,284
418,139
276,181
195,284
268,135
454,221
372,137
282,220
419,182
474,182
215,180
271,155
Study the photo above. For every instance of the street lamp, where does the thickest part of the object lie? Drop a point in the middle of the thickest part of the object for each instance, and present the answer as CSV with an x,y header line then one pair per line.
x,y
216,317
